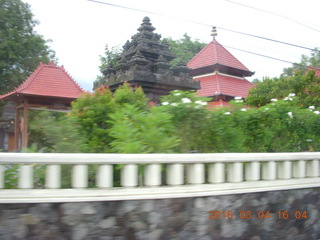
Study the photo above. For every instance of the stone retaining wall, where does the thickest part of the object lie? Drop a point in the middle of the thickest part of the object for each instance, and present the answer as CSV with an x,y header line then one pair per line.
x,y
251,216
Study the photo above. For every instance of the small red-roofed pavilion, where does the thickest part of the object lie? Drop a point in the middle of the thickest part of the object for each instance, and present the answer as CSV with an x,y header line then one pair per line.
x,y
221,75
49,87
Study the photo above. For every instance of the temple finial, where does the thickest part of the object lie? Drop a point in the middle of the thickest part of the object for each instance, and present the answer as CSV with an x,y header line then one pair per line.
x,y
214,32
146,25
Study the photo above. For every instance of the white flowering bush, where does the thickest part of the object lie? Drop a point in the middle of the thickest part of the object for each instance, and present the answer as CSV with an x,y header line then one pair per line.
x,y
304,86
190,117
280,126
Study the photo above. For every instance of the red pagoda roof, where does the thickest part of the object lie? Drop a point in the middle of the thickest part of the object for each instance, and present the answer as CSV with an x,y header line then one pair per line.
x,y
219,84
215,54
48,80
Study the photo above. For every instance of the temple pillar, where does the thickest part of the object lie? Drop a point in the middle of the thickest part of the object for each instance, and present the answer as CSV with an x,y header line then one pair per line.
x,y
16,129
24,124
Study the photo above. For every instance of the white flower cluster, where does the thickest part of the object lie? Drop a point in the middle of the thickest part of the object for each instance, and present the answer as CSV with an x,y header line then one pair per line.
x,y
290,114
185,100
201,103
290,97
274,100
312,108
238,99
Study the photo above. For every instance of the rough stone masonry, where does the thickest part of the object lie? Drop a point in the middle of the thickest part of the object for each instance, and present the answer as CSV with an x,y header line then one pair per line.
x,y
291,214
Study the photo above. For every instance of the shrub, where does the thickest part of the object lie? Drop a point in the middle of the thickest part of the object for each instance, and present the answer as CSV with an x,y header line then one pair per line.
x,y
92,112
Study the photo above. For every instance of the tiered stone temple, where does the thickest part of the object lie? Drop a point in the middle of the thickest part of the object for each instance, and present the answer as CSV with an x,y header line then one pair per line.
x,y
145,62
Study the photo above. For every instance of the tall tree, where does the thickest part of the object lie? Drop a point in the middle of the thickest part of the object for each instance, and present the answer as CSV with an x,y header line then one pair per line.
x,y
298,79
111,56
305,86
306,61
184,49
21,48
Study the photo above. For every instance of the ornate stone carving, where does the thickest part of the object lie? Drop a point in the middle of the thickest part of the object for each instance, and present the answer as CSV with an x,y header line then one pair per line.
x,y
145,61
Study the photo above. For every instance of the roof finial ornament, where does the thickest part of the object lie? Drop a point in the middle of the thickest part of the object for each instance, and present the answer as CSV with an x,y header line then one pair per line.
x,y
214,32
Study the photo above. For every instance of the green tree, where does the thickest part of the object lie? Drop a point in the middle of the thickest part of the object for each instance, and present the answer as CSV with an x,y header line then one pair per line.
x,y
299,79
184,49
21,48
306,86
190,119
268,89
306,61
92,112
138,131
111,56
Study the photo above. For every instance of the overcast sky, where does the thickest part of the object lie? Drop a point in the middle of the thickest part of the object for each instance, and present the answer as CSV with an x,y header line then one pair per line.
x,y
80,29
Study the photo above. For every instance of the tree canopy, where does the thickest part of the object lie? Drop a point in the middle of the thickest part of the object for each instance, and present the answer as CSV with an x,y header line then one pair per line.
x,y
306,61
298,79
21,48
110,57
184,48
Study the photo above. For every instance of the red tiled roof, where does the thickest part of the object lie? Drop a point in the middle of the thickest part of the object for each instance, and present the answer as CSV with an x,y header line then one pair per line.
x,y
48,80
215,53
225,85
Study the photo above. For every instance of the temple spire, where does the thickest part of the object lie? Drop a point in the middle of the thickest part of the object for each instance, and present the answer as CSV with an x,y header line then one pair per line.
x,y
146,25
145,62
214,32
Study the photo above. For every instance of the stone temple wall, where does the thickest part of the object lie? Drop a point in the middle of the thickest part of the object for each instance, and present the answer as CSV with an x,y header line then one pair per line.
x,y
291,214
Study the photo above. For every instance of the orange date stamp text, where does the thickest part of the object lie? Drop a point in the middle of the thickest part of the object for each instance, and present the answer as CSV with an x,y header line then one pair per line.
x,y
246,215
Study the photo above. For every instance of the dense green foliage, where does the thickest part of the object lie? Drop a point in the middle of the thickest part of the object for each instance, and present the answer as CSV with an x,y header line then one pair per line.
x,y
280,126
54,132
122,122
306,86
110,57
189,118
142,131
184,49
299,79
21,48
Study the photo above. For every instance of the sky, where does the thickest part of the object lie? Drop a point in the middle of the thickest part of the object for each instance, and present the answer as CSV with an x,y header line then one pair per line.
x,y
80,29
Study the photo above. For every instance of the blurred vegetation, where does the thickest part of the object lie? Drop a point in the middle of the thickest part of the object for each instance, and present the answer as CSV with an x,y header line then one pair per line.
x,y
125,122
184,48
306,62
306,85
